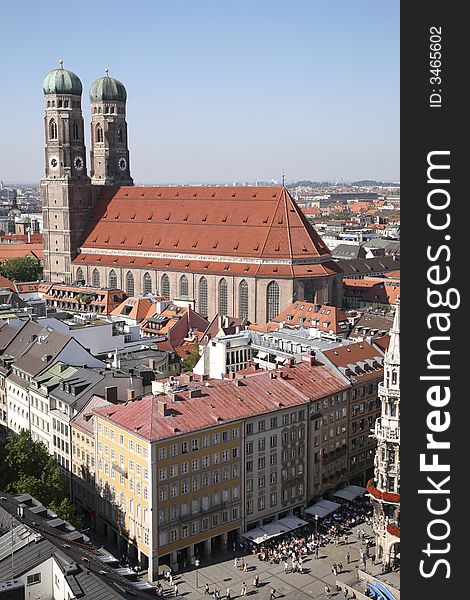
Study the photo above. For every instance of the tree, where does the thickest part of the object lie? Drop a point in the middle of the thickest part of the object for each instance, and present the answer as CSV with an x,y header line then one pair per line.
x,y
191,360
25,268
26,467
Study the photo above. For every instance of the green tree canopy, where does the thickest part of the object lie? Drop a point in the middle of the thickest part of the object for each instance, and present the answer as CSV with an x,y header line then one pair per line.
x,y
26,467
26,268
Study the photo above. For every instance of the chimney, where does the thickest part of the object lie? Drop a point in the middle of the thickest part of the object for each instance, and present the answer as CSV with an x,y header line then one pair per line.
x,y
197,393
130,394
317,307
110,393
219,321
161,408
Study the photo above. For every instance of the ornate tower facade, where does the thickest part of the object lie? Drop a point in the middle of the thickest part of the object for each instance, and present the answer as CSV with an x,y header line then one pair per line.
x,y
109,148
66,185
385,488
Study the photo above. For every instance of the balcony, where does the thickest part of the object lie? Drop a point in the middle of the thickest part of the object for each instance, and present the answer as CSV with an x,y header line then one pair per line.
x,y
383,391
382,496
387,433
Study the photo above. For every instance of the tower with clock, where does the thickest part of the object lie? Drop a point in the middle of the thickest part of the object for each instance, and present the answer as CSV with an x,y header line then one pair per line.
x,y
66,185
109,149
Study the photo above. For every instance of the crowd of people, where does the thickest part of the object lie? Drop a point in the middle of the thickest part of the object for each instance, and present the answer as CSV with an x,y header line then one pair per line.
x,y
291,548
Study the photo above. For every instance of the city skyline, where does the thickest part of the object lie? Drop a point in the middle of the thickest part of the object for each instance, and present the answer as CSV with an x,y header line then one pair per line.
x,y
222,94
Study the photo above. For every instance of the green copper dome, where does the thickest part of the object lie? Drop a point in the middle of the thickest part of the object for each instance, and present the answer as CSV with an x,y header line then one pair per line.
x,y
108,89
61,81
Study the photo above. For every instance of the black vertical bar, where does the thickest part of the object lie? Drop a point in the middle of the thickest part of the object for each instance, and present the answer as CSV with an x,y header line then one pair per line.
x,y
434,122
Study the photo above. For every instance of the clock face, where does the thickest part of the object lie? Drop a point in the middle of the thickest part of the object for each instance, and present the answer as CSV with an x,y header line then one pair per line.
x,y
78,163
122,164
54,162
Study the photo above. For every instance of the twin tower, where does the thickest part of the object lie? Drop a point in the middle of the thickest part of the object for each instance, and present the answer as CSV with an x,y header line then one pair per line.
x,y
69,193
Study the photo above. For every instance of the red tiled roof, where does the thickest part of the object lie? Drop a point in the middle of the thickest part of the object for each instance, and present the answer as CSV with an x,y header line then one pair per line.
x,y
327,318
252,222
133,308
383,290
8,251
224,401
343,356
6,283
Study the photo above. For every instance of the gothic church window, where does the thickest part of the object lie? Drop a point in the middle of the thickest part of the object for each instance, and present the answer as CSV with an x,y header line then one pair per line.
x,y
272,301
112,279
202,305
52,129
120,136
243,300
95,278
99,133
223,297
166,286
184,288
75,131
80,276
129,284
147,287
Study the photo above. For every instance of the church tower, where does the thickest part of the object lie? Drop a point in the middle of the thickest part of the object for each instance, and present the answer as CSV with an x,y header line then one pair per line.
x,y
109,149
66,185
385,489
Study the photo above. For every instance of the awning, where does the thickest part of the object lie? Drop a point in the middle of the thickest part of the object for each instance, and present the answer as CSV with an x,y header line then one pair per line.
x,y
276,528
292,522
322,508
258,536
350,492
280,359
262,355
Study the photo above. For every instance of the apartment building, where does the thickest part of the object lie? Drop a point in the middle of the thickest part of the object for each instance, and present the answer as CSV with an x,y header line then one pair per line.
x,y
362,364
185,471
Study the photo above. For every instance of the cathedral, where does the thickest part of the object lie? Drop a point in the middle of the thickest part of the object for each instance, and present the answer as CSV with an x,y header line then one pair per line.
x,y
247,252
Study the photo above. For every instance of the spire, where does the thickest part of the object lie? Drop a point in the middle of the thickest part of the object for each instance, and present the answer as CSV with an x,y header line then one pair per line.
x,y
107,72
61,63
392,355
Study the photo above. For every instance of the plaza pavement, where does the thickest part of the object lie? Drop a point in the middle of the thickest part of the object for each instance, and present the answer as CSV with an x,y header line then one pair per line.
x,y
222,573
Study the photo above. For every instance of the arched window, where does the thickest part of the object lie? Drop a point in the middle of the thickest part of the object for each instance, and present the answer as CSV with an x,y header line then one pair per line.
x,y
129,284
202,304
80,276
99,133
76,135
165,286
184,288
223,297
112,279
272,301
95,278
52,129
120,136
147,287
243,300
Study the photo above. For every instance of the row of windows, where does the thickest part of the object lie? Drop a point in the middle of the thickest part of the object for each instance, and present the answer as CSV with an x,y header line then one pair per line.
x,y
196,527
196,444
286,495
274,422
53,131
272,291
204,503
197,482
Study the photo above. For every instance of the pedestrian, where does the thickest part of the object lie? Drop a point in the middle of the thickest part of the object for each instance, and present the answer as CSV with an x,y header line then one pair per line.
x,y
176,589
170,579
206,588
364,561
256,581
327,591
286,567
273,594
217,594
348,558
234,547
345,593
245,566
227,594
235,562
340,567
243,592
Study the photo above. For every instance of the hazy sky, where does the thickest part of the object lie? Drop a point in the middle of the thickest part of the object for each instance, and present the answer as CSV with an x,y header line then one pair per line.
x,y
218,91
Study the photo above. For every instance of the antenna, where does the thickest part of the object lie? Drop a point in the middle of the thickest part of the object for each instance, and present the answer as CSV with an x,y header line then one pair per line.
x,y
283,178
